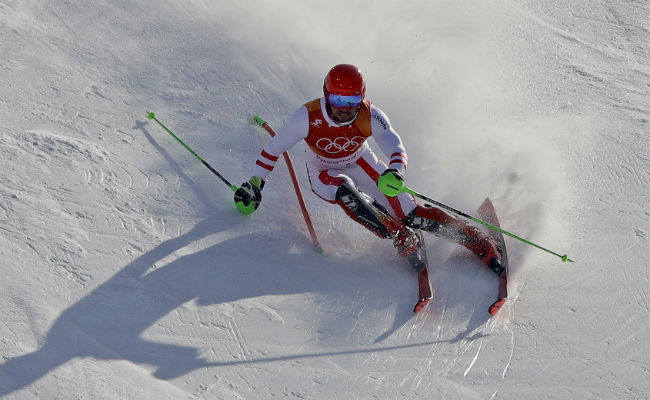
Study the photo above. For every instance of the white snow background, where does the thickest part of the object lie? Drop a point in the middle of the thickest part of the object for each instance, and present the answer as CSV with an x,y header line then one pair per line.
x,y
127,273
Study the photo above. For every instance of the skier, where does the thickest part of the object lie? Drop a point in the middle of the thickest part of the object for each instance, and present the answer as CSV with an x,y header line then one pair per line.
x,y
344,170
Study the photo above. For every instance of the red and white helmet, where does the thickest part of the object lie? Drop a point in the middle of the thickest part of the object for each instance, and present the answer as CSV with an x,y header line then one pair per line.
x,y
344,79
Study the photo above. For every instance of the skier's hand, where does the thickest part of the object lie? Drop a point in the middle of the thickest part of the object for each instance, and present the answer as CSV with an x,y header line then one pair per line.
x,y
249,195
391,182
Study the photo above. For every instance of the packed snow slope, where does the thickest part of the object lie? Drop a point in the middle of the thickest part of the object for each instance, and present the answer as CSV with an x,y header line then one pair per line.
x,y
127,273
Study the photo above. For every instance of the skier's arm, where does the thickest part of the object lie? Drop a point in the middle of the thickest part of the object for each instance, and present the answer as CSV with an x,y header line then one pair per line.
x,y
292,131
391,182
388,140
249,195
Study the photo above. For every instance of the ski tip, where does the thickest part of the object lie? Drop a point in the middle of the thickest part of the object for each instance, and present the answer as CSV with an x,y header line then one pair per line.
x,y
319,250
259,120
151,115
496,306
421,304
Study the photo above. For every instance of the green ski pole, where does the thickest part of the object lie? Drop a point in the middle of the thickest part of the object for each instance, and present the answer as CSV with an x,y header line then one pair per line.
x,y
405,189
151,115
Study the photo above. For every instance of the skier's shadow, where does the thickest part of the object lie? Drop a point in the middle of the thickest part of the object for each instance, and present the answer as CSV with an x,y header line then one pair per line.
x,y
109,322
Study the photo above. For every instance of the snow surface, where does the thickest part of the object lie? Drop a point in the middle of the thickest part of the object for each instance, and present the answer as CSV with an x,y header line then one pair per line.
x,y
127,273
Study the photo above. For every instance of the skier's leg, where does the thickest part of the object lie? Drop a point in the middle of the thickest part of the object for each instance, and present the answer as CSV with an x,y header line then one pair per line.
x,y
365,175
365,211
445,225
335,186
409,243
376,219
339,186
374,216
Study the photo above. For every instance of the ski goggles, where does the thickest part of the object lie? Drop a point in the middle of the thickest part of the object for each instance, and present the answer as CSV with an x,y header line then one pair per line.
x,y
340,101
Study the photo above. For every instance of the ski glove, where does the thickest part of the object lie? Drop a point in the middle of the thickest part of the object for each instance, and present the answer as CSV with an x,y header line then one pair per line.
x,y
391,182
249,195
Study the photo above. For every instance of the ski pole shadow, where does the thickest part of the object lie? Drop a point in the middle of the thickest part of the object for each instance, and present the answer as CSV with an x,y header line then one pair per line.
x,y
295,357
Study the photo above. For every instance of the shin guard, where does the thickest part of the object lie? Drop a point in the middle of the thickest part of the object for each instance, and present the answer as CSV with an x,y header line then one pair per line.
x,y
362,209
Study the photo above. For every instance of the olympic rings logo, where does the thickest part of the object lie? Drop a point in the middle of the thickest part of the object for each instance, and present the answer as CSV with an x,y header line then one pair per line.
x,y
339,144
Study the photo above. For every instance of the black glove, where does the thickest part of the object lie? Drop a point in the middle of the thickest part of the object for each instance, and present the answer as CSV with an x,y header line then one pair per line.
x,y
395,172
249,195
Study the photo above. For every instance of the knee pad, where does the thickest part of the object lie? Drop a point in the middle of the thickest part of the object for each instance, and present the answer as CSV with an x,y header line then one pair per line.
x,y
360,208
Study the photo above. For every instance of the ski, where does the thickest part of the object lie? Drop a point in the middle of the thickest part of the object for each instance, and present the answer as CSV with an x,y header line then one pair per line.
x,y
424,290
486,212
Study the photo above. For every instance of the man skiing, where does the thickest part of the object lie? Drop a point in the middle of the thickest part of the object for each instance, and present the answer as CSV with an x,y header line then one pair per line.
x,y
344,170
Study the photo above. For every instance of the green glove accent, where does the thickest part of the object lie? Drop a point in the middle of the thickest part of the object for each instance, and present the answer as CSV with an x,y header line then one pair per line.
x,y
249,195
390,183
249,209
257,182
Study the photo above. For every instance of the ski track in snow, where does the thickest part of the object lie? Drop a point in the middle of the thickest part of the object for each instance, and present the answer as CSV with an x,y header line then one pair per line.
x,y
127,274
